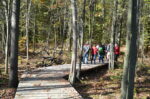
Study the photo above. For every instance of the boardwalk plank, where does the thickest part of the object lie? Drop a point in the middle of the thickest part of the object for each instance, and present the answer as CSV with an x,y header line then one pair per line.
x,y
48,83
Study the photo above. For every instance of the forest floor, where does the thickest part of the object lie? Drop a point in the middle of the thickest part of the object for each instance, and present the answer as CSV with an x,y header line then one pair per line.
x,y
105,84
95,84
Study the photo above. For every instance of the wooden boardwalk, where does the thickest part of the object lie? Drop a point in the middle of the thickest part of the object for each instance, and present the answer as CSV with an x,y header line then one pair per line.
x,y
48,83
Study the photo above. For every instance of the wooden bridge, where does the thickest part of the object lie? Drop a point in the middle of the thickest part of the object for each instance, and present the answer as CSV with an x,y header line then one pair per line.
x,y
48,83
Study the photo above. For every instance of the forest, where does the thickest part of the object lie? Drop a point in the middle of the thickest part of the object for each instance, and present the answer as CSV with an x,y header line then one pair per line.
x,y
43,33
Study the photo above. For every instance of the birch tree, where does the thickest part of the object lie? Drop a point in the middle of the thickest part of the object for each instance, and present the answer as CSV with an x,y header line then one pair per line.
x,y
72,74
7,21
111,61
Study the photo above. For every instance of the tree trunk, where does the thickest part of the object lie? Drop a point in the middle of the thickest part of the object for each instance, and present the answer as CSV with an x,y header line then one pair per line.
x,y
64,25
7,14
69,35
92,21
103,9
90,34
48,36
72,74
140,29
35,29
13,75
142,41
55,46
82,40
3,38
139,24
111,61
131,52
27,27
34,32
120,31
121,23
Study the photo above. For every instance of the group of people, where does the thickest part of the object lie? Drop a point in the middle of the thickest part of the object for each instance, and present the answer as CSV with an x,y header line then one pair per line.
x,y
99,51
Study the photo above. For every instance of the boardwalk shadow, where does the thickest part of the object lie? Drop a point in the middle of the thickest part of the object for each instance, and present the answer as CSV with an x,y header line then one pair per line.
x,y
88,72
48,71
39,87
40,78
100,69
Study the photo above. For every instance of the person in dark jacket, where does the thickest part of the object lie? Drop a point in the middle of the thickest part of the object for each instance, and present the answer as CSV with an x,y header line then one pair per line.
x,y
101,52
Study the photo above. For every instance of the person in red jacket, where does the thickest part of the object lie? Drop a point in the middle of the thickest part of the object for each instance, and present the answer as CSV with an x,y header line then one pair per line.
x,y
116,52
94,52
